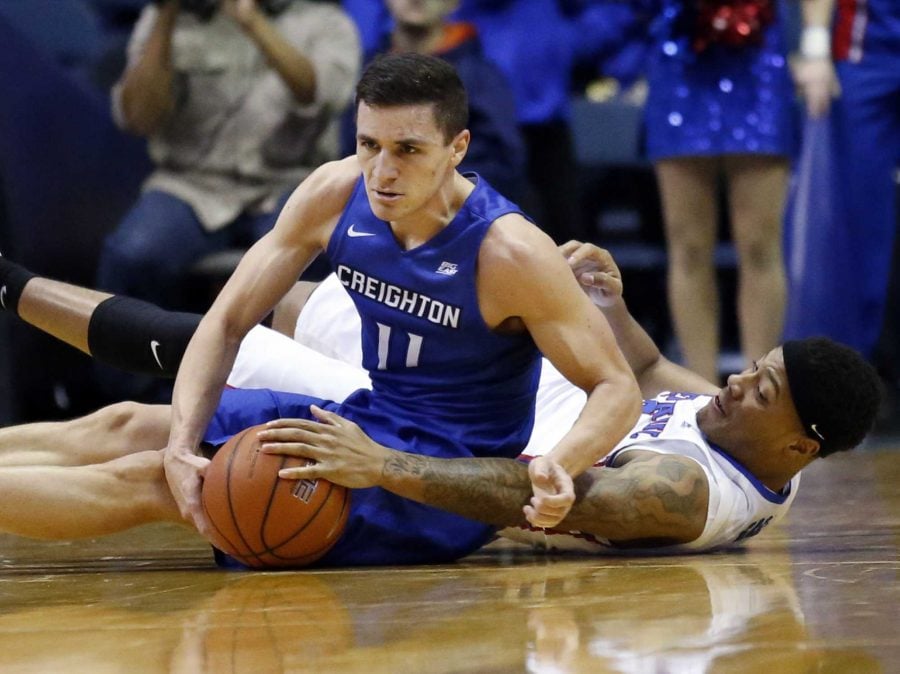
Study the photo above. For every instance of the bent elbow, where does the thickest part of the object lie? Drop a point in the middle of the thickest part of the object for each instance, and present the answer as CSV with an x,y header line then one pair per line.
x,y
629,395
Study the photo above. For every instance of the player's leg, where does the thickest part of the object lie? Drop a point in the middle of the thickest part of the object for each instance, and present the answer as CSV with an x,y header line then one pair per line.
x,y
133,335
142,338
688,189
60,309
757,188
270,360
58,503
109,433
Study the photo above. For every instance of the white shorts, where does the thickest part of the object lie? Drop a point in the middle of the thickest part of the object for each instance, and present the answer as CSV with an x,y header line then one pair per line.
x,y
324,360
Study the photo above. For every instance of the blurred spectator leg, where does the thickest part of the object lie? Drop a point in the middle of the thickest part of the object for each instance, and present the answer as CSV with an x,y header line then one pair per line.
x,y
757,187
688,188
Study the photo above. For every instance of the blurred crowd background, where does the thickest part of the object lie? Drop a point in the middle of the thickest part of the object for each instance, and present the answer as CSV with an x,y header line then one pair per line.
x,y
669,131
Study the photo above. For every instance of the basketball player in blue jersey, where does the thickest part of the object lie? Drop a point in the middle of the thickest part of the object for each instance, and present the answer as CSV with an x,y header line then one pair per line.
x,y
458,293
701,470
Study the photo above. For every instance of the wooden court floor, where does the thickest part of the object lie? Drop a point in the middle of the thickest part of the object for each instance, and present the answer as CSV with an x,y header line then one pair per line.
x,y
818,593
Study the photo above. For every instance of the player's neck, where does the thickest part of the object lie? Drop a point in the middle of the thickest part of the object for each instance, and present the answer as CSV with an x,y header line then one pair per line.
x,y
776,482
773,475
419,227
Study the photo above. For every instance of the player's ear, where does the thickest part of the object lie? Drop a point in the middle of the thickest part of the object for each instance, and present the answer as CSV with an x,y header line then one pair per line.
x,y
805,447
460,145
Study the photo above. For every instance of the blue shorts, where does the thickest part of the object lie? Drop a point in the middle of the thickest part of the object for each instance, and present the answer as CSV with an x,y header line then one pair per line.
x,y
382,529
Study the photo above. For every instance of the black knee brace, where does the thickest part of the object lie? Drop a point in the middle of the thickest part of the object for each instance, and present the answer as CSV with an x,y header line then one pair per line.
x,y
12,281
140,337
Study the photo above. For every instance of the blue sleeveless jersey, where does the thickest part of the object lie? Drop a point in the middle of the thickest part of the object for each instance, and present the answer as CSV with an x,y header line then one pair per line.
x,y
444,384
433,361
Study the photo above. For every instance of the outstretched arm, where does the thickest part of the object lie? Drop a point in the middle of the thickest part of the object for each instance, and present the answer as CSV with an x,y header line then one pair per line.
x,y
652,497
599,275
264,275
814,71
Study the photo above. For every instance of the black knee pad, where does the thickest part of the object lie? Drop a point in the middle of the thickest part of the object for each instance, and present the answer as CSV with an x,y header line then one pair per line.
x,y
140,337
12,282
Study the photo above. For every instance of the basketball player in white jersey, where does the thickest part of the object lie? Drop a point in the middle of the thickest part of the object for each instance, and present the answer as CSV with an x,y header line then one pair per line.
x,y
703,467
700,470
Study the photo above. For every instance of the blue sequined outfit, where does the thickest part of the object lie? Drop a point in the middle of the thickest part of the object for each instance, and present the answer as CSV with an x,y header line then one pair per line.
x,y
725,100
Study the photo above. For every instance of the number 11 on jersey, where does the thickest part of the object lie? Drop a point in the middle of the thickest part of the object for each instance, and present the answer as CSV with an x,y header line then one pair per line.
x,y
413,348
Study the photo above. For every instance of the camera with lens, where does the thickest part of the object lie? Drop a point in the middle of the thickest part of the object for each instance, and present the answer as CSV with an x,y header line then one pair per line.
x,y
204,9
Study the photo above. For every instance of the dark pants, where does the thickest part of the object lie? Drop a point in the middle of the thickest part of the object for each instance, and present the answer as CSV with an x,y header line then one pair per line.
x,y
148,255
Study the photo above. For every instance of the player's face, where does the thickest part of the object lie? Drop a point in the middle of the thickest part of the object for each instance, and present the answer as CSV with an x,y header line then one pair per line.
x,y
754,412
405,158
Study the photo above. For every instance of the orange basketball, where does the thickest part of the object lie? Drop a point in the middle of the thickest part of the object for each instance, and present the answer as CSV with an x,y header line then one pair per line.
x,y
262,520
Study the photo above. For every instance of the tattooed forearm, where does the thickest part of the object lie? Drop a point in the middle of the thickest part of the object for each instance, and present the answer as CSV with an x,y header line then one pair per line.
x,y
488,490
663,497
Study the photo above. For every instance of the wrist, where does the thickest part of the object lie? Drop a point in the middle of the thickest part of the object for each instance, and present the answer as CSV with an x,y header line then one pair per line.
x,y
176,449
815,42
614,310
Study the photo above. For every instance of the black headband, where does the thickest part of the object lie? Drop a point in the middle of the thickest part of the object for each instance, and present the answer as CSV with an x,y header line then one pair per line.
x,y
801,376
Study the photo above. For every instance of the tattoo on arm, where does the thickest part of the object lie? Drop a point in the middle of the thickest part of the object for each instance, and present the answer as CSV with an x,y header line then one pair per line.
x,y
663,498
488,490
659,498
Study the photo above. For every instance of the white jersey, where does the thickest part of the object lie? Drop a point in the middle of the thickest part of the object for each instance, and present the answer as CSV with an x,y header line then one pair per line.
x,y
324,360
724,611
740,506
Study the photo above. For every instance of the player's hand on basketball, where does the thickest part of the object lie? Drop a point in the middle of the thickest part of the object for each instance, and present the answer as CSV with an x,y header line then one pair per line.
x,y
554,493
340,450
596,271
184,473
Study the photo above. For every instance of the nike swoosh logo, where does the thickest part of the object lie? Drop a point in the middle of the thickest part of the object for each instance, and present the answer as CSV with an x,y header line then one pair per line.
x,y
154,345
354,233
3,296
816,431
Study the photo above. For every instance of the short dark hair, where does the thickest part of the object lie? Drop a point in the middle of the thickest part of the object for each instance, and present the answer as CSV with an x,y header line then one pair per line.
x,y
836,392
416,79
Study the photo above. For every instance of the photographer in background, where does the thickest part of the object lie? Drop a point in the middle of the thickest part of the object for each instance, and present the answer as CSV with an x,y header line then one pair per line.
x,y
238,100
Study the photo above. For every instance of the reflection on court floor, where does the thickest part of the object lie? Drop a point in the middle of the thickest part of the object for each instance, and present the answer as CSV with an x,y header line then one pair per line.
x,y
817,593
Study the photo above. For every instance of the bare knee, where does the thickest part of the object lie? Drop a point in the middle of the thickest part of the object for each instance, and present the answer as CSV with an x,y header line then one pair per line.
x,y
141,478
129,427
691,256
759,255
